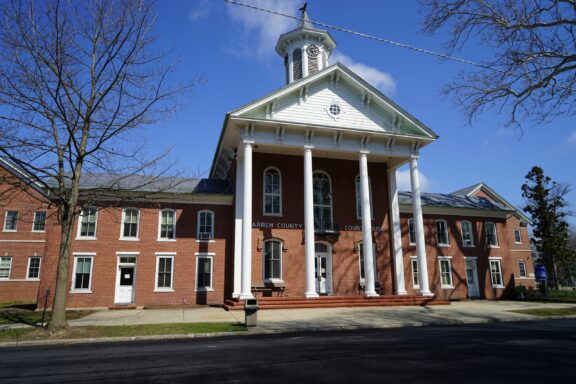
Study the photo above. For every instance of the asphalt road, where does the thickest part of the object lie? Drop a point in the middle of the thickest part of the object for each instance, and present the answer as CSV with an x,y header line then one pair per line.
x,y
528,352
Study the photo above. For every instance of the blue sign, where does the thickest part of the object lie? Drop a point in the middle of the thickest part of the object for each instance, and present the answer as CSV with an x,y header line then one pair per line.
x,y
540,271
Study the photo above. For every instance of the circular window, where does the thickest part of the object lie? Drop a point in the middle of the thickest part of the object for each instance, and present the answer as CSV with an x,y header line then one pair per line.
x,y
334,109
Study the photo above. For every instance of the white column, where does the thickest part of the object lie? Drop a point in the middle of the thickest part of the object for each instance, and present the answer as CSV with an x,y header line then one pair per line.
x,y
419,228
239,191
309,224
396,233
369,289
246,292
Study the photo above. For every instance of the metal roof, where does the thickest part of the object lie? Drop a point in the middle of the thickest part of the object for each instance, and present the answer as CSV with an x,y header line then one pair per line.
x,y
452,201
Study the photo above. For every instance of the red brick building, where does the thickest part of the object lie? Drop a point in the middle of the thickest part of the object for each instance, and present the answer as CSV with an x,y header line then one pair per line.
x,y
301,180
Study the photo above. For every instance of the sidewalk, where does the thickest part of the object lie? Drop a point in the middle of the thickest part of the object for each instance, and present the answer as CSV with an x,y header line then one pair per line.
x,y
295,320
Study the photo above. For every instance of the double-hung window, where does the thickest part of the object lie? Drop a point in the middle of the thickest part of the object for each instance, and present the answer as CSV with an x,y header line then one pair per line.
x,y
167,225
467,235
205,225
491,236
272,260
272,192
445,272
5,267
82,280
442,233
411,232
130,221
11,221
322,196
522,269
517,236
88,219
496,273
164,272
415,272
33,268
361,260
204,271
39,224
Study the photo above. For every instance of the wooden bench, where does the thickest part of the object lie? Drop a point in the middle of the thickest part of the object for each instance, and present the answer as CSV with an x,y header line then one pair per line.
x,y
267,289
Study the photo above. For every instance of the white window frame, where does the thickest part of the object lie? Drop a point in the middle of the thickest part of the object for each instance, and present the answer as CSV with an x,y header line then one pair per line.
x,y
359,197
415,272
517,231
28,268
495,235
520,270
497,260
210,256
9,266
34,222
264,193
82,256
130,238
469,223
438,243
361,261
6,221
199,234
449,260
164,256
316,172
79,229
160,225
272,279
411,221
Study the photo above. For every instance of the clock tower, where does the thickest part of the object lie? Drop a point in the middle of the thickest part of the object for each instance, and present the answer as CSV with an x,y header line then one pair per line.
x,y
305,49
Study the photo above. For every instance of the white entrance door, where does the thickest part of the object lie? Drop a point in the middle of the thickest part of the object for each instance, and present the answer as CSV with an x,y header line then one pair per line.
x,y
472,278
323,269
125,281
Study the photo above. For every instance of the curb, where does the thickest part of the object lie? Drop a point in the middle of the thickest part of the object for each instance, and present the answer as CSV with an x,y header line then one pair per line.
x,y
272,330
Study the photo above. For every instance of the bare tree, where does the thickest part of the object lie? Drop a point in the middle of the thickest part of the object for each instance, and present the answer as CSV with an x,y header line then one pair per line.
x,y
531,75
77,78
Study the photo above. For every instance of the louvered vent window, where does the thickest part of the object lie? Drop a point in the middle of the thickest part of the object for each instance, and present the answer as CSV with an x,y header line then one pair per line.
x,y
297,63
312,65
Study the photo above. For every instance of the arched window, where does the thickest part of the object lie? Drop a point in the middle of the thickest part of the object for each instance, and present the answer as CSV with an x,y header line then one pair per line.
x,y
297,64
442,233
167,225
272,260
322,201
205,225
130,219
359,198
272,192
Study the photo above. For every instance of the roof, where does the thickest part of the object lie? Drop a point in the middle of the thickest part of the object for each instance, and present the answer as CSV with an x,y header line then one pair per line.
x,y
166,184
471,190
453,201
23,175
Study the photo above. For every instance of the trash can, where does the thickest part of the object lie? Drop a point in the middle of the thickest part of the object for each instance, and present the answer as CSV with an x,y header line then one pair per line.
x,y
251,312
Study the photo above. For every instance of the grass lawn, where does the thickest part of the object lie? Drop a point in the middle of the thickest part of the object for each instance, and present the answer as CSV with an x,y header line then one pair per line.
x,y
548,311
15,314
20,334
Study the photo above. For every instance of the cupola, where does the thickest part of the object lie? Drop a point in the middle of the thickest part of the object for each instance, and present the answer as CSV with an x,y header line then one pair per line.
x,y
305,49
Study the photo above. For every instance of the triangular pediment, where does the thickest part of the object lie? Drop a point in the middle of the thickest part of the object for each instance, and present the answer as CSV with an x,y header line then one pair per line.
x,y
359,105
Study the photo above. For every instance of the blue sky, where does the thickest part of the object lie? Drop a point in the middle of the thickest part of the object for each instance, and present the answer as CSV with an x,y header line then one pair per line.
x,y
233,49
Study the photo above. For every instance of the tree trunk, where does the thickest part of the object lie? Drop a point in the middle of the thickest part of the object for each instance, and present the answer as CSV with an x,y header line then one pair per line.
x,y
58,319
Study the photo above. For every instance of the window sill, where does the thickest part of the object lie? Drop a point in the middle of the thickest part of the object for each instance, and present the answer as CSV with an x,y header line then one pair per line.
x,y
4,279
413,245
129,239
273,281
205,241
81,291
415,287
525,278
272,214
493,246
204,289
447,287
10,230
167,240
38,231
35,279
160,290
498,286
443,245
518,243
86,238
469,246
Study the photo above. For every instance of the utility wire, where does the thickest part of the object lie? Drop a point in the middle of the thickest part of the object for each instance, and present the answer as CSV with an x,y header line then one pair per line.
x,y
360,34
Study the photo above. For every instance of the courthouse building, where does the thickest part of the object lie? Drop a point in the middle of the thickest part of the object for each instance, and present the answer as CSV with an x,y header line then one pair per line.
x,y
301,202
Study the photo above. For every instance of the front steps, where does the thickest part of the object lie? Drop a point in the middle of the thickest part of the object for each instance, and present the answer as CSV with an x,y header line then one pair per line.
x,y
335,302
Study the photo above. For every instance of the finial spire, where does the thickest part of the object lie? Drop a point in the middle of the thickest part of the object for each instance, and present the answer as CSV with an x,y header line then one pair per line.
x,y
305,23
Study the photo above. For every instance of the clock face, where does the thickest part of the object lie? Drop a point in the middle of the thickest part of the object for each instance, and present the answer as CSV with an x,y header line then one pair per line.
x,y
312,51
